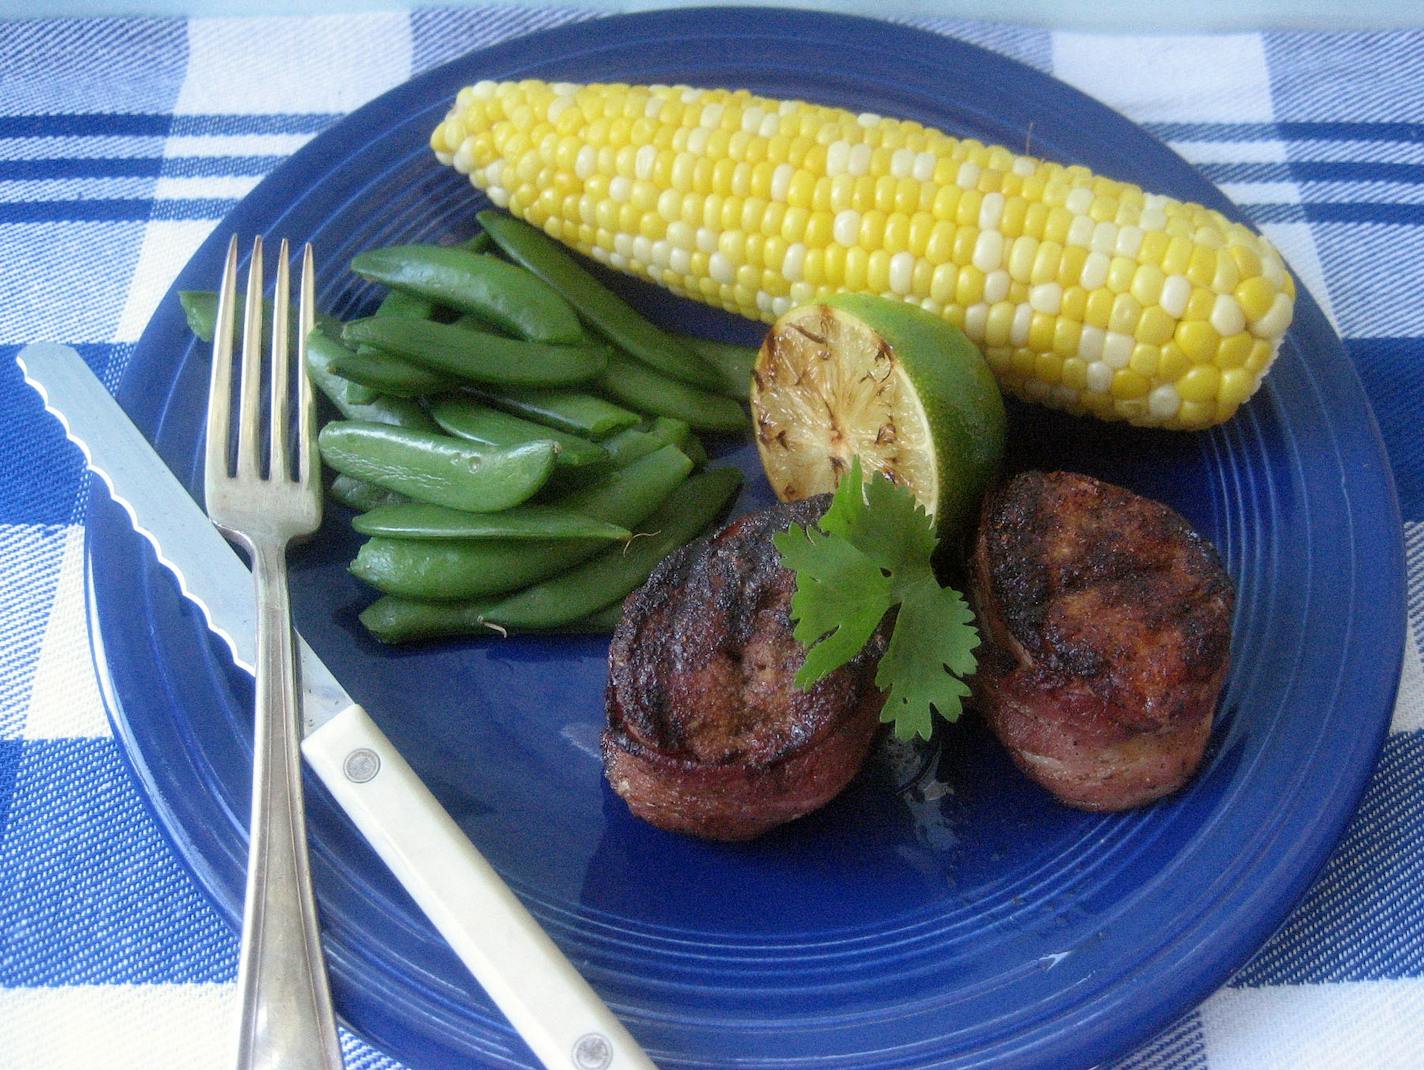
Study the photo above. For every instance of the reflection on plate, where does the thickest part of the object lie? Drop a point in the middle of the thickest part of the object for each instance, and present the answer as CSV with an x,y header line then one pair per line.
x,y
942,912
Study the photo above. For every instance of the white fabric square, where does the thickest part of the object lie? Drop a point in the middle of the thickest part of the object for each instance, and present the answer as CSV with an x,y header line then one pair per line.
x,y
1409,707
144,1027
1208,78
64,694
167,246
1372,1025
329,63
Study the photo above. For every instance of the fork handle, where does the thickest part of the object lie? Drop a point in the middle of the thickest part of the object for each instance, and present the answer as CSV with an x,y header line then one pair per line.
x,y
287,1022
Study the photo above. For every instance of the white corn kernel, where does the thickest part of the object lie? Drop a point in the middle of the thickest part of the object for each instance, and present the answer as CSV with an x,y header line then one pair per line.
x,y
1047,297
1164,401
1175,291
902,272
1226,316
1117,349
988,250
846,228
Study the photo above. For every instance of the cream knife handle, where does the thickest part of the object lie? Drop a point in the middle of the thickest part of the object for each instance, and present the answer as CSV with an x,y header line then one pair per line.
x,y
559,1016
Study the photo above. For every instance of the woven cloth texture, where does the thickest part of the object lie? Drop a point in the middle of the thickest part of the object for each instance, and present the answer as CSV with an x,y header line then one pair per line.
x,y
124,142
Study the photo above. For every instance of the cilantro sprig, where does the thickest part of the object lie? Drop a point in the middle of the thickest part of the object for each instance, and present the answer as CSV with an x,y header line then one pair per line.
x,y
870,553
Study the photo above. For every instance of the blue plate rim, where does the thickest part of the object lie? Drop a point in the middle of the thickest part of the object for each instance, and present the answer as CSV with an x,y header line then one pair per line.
x,y
1097,1037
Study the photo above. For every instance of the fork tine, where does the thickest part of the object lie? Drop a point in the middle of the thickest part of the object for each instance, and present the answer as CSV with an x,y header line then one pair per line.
x,y
249,416
220,379
306,400
279,463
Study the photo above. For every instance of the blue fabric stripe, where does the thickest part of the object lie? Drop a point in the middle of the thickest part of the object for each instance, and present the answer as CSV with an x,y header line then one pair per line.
x,y
129,124
9,762
1313,171
89,892
1392,370
1288,131
116,210
1363,920
1336,212
137,167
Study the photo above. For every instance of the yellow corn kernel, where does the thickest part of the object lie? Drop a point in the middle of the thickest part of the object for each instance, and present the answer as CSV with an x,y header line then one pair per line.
x,y
735,199
1145,360
1255,296
1129,384
1197,340
1099,307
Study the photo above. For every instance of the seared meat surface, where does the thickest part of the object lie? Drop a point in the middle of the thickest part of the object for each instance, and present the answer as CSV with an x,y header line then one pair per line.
x,y
1107,635
707,732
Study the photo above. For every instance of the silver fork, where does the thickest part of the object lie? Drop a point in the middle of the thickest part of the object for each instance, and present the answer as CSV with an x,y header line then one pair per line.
x,y
287,1020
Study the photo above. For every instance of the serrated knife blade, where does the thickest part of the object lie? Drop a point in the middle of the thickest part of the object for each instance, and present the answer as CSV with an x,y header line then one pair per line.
x,y
552,1007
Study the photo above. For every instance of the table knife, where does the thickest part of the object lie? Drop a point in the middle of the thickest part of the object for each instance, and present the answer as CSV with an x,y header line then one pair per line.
x,y
548,1003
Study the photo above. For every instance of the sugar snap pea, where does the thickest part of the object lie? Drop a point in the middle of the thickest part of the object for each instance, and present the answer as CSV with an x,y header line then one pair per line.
x,y
581,590
322,352
377,371
417,520
468,419
638,386
473,282
400,304
436,468
733,363
362,496
480,357
573,595
450,571
402,619
631,443
200,309
566,410
599,306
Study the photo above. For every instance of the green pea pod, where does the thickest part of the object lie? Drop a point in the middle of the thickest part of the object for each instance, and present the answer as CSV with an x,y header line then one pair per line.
x,y
359,495
599,306
631,443
472,282
322,352
734,363
200,309
695,451
612,574
392,376
405,305
571,596
400,620
600,620
469,419
448,571
402,305
479,357
436,468
565,410
480,243
634,384
416,520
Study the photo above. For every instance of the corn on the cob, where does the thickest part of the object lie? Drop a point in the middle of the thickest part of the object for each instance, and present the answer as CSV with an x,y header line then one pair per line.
x,y
1085,293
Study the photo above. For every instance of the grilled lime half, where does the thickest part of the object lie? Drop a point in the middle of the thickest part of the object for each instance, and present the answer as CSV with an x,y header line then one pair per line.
x,y
888,381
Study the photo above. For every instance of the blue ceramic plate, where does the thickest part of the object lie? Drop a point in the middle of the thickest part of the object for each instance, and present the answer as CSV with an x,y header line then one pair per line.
x,y
942,912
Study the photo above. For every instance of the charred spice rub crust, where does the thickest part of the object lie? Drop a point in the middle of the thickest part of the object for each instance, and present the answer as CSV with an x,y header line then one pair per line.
x,y
1108,634
707,733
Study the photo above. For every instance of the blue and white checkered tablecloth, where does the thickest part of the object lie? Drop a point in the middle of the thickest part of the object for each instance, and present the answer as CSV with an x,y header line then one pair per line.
x,y
123,142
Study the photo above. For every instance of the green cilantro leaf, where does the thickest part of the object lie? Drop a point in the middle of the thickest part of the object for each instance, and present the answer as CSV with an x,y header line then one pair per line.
x,y
841,595
870,552
930,651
